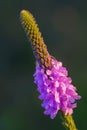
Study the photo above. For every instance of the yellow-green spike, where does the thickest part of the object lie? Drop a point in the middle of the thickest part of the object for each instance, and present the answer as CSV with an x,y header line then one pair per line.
x,y
39,48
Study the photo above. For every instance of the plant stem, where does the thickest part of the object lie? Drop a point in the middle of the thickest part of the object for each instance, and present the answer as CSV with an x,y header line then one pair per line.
x,y
68,122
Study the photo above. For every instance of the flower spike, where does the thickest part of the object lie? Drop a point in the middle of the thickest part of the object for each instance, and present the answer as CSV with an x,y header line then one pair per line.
x,y
55,87
34,35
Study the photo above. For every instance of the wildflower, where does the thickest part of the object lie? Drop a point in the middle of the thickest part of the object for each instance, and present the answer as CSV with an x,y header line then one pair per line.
x,y
56,89
53,84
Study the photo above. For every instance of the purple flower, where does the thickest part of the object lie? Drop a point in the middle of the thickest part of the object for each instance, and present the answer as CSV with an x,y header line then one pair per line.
x,y
54,85
56,89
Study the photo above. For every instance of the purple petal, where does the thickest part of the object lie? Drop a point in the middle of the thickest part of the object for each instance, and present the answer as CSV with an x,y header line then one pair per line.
x,y
56,89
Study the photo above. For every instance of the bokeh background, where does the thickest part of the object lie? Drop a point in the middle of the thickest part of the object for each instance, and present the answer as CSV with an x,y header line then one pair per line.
x,y
63,24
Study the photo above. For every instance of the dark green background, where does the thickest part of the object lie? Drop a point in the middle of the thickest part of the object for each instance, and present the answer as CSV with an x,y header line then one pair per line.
x,y
63,24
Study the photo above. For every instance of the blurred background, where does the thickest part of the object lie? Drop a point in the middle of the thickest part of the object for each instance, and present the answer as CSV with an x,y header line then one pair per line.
x,y
63,24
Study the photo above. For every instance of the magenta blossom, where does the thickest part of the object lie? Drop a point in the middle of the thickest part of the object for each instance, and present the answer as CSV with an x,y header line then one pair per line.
x,y
56,89
53,84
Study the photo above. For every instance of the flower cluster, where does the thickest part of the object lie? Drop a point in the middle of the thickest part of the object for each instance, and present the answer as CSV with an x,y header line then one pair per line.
x,y
54,85
56,89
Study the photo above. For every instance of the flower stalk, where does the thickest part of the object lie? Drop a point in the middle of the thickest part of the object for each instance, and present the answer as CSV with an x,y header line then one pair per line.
x,y
53,84
68,122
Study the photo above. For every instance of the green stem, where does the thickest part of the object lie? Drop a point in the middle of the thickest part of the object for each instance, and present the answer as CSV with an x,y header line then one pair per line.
x,y
68,122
